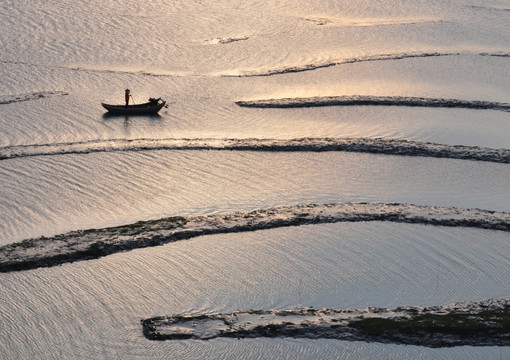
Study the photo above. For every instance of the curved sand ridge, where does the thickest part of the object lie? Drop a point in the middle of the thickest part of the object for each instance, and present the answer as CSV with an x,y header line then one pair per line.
x,y
375,57
94,243
464,323
364,145
265,72
368,22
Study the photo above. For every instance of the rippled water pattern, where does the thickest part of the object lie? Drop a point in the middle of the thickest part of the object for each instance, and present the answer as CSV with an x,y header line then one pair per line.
x,y
431,74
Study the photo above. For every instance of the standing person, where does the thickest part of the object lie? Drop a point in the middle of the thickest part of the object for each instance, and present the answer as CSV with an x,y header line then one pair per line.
x,y
127,95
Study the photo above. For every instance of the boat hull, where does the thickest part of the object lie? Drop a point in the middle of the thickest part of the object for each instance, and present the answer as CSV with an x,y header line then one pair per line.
x,y
140,109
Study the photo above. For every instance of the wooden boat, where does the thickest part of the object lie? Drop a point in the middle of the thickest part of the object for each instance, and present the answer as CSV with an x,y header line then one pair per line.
x,y
151,107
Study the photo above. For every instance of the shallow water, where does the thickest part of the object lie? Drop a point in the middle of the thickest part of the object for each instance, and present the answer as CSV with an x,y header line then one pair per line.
x,y
50,195
92,309
61,59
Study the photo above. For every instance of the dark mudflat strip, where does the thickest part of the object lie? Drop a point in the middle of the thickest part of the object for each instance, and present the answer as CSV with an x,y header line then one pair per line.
x,y
363,145
486,323
359,100
9,99
95,243
375,57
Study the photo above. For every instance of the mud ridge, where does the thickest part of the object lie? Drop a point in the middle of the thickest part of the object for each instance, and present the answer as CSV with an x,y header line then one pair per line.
x,y
464,323
376,57
362,145
360,100
266,72
345,22
226,40
490,8
10,99
95,243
